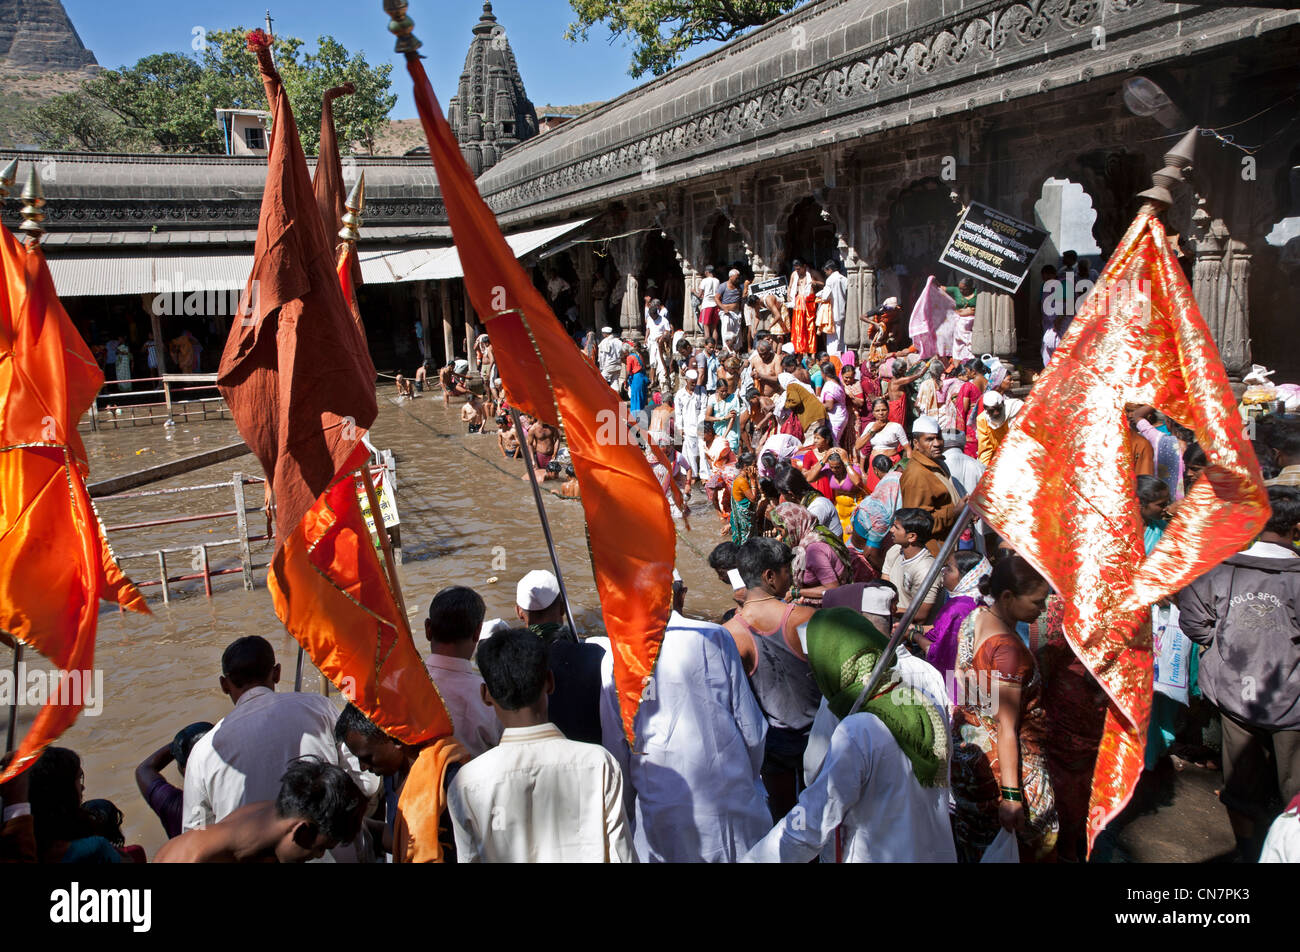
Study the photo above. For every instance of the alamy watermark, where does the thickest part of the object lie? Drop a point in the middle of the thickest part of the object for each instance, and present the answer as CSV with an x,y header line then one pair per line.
x,y
36,687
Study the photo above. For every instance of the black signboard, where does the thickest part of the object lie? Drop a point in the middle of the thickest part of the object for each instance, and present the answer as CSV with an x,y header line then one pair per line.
x,y
993,247
777,286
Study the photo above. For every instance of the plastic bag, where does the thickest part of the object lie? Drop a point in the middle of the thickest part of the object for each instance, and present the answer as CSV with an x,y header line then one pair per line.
x,y
1003,849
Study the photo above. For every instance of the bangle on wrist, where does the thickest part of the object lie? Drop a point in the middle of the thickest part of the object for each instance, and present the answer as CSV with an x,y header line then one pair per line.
x,y
1012,794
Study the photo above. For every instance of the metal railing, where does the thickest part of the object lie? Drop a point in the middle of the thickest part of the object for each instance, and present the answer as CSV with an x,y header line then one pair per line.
x,y
116,408
200,567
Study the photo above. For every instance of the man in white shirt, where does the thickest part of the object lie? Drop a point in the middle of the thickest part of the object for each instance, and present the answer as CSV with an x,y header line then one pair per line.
x,y
242,759
452,628
881,794
835,290
966,472
536,797
689,406
709,310
657,326
610,356
693,785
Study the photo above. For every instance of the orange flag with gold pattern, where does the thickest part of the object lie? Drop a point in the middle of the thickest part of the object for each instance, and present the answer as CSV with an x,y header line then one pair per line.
x,y
629,528
55,564
1061,488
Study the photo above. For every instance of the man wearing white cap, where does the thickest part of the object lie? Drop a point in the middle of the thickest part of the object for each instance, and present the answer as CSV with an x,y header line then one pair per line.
x,y
575,703
927,484
609,355
689,406
992,425
693,789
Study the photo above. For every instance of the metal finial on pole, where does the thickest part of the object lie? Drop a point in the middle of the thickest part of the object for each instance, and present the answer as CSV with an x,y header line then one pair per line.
x,y
33,202
355,204
8,175
400,25
1177,160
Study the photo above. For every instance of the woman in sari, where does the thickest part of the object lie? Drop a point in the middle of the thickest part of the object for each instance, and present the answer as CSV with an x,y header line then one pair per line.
x,y
638,384
812,463
999,762
802,408
723,471
744,499
1076,720
965,404
845,483
874,516
855,400
821,560
962,575
835,401
881,437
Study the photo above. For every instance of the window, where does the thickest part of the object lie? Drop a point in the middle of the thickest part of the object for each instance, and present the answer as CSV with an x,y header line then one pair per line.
x,y
255,137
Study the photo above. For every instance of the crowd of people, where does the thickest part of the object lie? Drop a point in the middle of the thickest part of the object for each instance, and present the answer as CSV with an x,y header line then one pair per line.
x,y
837,476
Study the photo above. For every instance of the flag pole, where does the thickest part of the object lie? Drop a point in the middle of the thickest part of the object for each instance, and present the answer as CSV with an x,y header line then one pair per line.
x,y
949,544
378,516
541,512
13,702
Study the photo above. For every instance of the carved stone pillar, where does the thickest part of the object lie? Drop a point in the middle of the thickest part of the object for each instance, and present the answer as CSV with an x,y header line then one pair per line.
x,y
471,329
583,265
861,295
448,322
995,324
1220,284
422,298
690,278
630,320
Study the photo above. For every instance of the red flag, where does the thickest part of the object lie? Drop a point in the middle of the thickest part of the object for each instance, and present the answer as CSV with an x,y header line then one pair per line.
x,y
55,564
1061,488
302,401
629,529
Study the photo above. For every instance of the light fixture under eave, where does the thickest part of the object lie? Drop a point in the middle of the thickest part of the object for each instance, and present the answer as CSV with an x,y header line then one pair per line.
x,y
1143,97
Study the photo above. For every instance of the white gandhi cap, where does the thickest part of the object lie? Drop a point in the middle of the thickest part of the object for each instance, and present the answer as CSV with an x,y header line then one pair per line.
x,y
537,590
607,330
925,424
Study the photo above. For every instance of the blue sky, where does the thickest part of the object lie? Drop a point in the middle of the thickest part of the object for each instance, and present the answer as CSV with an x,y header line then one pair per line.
x,y
554,71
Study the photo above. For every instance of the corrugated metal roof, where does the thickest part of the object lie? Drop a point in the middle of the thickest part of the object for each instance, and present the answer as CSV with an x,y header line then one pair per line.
x,y
447,265
82,275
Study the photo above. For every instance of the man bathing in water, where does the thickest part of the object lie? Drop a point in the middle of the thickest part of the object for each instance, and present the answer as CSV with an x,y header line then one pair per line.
x,y
507,441
543,440
472,415
404,387
453,384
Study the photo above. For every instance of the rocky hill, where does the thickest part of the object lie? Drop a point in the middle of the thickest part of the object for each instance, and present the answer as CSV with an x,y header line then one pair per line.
x,y
37,36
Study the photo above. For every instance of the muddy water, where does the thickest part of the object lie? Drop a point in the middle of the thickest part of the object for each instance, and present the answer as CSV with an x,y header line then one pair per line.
x,y
467,516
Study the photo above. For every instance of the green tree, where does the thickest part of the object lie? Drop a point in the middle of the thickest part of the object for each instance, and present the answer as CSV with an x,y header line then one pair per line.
x,y
71,122
167,102
662,30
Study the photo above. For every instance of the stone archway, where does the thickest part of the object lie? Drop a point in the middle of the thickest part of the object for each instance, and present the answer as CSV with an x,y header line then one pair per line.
x,y
724,247
660,275
810,236
919,219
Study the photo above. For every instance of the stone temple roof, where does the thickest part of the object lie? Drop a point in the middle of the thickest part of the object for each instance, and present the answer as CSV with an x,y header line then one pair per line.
x,y
207,199
842,69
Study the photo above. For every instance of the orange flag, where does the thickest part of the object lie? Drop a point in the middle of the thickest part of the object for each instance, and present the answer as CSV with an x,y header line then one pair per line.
x,y
629,529
1061,488
302,401
330,191
55,564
